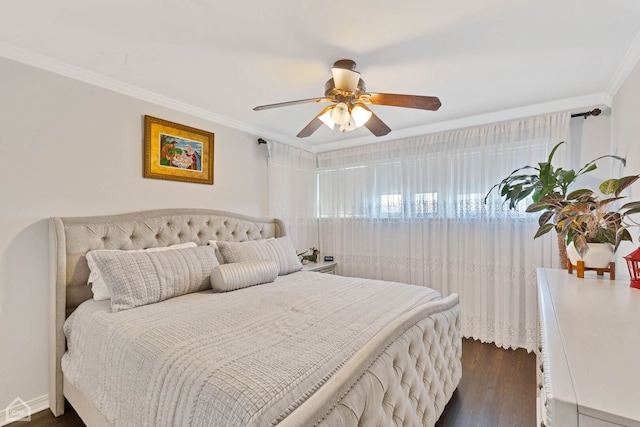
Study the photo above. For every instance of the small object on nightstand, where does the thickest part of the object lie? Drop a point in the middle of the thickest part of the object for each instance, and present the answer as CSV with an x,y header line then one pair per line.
x,y
328,258
313,257
321,267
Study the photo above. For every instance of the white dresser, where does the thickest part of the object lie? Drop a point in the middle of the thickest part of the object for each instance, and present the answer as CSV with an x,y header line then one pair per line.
x,y
589,353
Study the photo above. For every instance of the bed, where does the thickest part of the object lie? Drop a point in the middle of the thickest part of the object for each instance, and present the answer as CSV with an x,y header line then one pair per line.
x,y
397,362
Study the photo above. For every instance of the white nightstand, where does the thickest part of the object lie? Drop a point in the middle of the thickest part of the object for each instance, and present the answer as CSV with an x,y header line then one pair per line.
x,y
321,267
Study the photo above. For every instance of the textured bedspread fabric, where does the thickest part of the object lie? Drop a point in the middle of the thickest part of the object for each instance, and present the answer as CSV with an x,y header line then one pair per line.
x,y
242,358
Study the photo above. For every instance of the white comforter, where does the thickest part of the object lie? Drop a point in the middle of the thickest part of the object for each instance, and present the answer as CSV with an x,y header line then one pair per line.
x,y
244,358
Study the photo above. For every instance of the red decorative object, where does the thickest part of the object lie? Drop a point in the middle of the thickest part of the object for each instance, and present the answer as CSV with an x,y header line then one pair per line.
x,y
633,263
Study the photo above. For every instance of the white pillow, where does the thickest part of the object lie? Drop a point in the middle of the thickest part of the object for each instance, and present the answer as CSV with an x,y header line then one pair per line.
x,y
219,256
280,250
99,288
229,277
146,277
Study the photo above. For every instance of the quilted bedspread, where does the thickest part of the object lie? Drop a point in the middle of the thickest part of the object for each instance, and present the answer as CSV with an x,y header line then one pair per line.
x,y
244,358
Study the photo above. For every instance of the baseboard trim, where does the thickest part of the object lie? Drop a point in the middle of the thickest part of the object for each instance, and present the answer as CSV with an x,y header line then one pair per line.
x,y
38,404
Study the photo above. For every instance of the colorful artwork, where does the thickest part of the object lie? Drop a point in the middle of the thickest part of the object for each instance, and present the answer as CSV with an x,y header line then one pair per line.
x,y
180,153
177,152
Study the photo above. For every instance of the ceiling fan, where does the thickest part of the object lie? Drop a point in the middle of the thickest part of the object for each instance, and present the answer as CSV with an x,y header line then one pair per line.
x,y
347,91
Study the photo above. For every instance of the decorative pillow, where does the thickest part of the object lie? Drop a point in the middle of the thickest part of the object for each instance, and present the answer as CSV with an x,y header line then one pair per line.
x,y
219,257
140,278
99,288
280,250
229,277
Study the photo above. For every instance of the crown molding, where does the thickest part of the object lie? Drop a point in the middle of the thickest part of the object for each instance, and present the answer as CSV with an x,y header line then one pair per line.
x,y
58,67
568,104
627,64
576,104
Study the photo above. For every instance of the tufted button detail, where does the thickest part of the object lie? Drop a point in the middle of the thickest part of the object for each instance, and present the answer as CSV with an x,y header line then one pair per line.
x,y
412,378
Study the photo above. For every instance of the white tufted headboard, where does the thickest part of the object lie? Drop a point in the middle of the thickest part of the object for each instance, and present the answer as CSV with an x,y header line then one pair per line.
x,y
71,238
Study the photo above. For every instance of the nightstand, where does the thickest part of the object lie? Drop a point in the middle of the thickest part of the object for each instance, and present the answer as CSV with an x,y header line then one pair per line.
x,y
321,267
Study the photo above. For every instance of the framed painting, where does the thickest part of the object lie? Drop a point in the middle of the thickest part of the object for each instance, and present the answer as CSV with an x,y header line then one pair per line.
x,y
177,152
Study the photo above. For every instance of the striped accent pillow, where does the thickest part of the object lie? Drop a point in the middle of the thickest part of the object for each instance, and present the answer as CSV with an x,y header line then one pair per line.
x,y
229,277
140,278
99,288
280,250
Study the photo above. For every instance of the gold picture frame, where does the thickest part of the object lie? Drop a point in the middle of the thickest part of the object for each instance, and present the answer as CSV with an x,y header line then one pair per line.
x,y
177,152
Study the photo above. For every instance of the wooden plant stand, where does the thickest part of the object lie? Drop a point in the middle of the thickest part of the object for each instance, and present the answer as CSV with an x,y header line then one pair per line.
x,y
580,268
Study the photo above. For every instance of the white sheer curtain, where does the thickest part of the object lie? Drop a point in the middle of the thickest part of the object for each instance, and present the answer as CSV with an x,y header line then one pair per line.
x,y
412,211
293,192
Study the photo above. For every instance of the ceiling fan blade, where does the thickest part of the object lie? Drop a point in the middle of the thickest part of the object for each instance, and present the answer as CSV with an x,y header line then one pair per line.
x,y
286,104
313,124
377,126
407,101
310,128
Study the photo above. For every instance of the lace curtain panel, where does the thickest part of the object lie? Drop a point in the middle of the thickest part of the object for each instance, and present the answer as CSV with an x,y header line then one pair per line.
x,y
412,211
292,193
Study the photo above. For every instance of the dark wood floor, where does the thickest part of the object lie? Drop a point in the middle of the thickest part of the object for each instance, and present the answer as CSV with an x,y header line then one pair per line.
x,y
497,390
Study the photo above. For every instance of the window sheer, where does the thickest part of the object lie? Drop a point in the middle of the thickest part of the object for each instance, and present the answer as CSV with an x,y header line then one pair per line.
x,y
292,194
413,211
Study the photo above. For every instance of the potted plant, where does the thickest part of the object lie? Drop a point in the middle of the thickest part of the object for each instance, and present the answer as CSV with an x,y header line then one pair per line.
x,y
545,181
587,221
306,257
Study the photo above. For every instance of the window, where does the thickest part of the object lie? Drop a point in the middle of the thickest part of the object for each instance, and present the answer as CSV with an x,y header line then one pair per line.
x,y
425,203
391,204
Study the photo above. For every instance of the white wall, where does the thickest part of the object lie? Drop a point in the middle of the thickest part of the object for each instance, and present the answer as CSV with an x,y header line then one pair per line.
x,y
625,141
590,139
67,149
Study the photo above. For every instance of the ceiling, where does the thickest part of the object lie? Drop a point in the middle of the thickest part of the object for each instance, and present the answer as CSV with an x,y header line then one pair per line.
x,y
483,59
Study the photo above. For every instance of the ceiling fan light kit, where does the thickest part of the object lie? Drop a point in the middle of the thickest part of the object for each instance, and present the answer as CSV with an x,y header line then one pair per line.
x,y
346,117
348,92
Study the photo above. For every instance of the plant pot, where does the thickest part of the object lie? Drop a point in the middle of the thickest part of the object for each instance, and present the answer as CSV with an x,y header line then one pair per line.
x,y
598,256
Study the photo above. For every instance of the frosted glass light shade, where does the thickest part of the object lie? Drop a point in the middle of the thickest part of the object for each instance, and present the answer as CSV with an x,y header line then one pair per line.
x,y
326,118
340,114
349,126
360,115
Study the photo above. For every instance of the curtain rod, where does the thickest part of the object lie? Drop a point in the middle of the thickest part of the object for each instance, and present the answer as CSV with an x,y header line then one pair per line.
x,y
594,112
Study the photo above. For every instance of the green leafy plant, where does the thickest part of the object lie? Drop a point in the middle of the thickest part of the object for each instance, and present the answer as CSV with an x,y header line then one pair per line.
x,y
548,184
584,216
311,257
